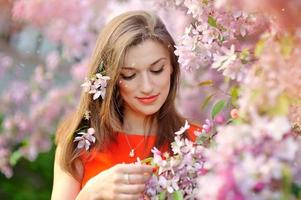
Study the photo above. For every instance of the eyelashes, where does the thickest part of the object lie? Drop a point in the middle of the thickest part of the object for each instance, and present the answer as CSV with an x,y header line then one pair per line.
x,y
128,77
134,75
158,71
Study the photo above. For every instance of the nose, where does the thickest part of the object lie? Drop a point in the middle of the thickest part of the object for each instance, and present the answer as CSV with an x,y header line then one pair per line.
x,y
146,84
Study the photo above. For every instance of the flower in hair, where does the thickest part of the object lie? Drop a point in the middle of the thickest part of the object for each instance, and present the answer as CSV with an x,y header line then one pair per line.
x,y
97,84
87,115
85,139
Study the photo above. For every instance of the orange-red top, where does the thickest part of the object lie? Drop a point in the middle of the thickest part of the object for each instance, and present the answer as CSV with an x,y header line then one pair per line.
x,y
119,153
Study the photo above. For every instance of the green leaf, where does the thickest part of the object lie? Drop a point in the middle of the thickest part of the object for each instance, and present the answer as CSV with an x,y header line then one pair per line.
x,y
205,2
206,101
259,47
15,157
286,183
1,122
199,142
177,195
296,190
101,66
217,108
147,160
212,22
162,195
202,139
221,38
244,56
205,83
281,107
25,142
234,92
287,45
237,121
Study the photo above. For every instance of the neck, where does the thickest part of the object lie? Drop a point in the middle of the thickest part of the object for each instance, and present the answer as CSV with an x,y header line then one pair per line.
x,y
135,123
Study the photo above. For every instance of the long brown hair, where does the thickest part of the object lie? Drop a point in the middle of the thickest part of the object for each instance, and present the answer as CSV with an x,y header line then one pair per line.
x,y
121,33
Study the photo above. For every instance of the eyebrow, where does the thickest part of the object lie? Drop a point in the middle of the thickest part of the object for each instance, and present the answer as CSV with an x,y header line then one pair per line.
x,y
154,63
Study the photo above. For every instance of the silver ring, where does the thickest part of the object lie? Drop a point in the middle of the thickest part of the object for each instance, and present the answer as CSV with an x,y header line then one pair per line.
x,y
127,178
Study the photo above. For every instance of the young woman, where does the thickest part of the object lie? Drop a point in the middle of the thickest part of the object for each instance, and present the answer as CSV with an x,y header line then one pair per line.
x,y
132,82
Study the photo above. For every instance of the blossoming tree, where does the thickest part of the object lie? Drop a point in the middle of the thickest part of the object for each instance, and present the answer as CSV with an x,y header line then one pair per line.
x,y
256,154
234,54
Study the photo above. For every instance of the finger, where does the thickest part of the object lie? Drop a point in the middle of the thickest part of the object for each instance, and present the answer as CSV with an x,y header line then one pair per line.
x,y
136,178
131,188
126,178
127,196
135,169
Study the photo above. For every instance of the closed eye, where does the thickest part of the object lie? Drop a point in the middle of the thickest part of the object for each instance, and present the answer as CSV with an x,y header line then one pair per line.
x,y
128,77
158,71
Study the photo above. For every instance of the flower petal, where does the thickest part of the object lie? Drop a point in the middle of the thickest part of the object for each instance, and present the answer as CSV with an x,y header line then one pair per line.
x,y
96,95
81,144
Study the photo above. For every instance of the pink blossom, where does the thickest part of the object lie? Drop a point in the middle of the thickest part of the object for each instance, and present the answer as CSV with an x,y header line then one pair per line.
x,y
97,86
177,145
259,186
183,129
219,119
85,140
207,126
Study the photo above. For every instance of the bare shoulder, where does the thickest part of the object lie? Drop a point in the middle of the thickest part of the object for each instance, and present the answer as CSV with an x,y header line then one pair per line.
x,y
65,186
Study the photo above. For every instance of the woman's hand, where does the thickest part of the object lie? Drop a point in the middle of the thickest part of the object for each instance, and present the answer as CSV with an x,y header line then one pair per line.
x,y
122,182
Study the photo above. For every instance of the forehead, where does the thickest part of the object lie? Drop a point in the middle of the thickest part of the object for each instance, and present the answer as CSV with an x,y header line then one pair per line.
x,y
145,53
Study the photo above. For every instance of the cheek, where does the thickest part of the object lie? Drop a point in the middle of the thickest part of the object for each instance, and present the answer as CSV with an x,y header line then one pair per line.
x,y
125,89
165,87
164,82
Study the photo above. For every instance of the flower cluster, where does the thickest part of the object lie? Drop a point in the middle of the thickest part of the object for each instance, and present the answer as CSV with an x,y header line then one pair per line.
x,y
258,155
258,160
253,161
176,174
96,85
85,139
216,39
275,77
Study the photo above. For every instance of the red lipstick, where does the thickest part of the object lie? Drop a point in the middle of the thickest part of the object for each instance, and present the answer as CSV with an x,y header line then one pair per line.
x,y
148,100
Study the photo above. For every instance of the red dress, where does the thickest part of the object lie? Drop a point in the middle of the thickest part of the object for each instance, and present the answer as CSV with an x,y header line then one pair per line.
x,y
119,153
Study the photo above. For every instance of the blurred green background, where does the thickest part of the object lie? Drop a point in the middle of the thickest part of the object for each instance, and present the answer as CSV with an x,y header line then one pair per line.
x,y
31,180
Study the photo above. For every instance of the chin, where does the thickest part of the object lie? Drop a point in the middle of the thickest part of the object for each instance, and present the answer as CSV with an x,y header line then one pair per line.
x,y
149,111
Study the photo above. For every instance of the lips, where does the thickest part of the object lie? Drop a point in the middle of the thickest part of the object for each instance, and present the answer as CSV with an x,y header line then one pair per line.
x,y
148,100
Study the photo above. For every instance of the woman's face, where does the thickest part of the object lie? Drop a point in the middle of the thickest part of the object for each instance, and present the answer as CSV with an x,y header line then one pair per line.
x,y
145,78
